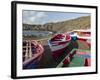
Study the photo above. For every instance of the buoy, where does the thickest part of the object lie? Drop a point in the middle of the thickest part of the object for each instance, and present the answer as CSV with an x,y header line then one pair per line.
x,y
86,62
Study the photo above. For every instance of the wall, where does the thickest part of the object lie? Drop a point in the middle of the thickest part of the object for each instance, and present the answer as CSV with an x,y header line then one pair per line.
x,y
5,40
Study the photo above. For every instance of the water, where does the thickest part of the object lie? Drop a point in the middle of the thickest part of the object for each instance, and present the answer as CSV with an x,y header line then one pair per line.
x,y
36,33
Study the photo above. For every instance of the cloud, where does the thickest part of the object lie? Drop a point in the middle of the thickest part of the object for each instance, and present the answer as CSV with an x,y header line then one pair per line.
x,y
39,17
33,17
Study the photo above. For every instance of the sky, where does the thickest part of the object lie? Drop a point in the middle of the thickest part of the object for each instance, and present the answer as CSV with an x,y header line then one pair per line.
x,y
43,17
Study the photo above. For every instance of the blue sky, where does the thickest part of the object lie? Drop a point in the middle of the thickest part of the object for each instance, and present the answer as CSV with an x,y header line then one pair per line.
x,y
42,17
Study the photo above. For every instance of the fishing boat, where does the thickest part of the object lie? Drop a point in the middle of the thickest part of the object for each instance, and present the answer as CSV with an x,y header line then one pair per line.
x,y
32,54
58,44
84,35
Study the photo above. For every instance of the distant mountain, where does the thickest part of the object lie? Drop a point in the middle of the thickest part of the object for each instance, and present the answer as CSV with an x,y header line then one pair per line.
x,y
68,25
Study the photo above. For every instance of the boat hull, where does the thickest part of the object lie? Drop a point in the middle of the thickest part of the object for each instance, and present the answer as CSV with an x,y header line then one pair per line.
x,y
58,50
32,54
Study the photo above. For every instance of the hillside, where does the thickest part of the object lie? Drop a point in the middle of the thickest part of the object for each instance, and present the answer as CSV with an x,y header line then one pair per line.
x,y
78,23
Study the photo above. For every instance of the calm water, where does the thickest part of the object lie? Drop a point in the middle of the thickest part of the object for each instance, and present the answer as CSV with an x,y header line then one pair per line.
x,y
36,33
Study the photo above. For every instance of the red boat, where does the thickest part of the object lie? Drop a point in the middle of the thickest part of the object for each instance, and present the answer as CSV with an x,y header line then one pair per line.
x,y
84,35
58,44
32,53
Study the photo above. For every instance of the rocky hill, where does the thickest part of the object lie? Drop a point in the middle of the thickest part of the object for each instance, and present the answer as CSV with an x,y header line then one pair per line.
x,y
68,25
